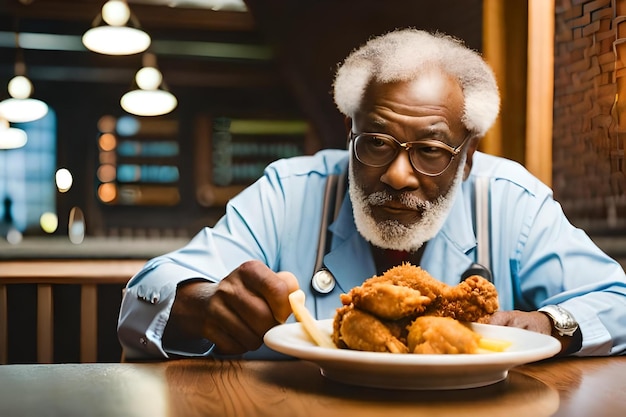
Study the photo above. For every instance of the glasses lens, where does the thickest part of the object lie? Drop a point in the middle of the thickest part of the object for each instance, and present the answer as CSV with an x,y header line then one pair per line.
x,y
429,158
374,150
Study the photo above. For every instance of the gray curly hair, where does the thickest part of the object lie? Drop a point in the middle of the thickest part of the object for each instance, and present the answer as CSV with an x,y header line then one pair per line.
x,y
402,54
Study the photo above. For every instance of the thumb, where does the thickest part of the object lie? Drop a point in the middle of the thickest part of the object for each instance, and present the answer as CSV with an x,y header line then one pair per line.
x,y
290,279
292,285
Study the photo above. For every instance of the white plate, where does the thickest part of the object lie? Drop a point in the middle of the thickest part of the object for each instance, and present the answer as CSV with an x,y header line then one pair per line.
x,y
415,371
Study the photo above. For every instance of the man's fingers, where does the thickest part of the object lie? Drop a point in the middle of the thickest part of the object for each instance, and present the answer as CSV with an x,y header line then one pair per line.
x,y
290,279
281,307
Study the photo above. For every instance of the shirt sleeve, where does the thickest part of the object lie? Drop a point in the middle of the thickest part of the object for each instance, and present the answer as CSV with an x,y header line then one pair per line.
x,y
560,264
211,255
146,308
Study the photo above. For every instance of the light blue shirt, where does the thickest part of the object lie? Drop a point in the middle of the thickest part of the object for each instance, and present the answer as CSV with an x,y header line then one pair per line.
x,y
538,257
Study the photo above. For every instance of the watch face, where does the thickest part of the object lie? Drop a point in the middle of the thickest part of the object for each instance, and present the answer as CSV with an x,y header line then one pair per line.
x,y
563,321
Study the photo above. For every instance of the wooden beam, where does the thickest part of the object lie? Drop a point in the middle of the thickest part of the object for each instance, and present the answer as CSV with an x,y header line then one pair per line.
x,y
505,47
540,91
493,51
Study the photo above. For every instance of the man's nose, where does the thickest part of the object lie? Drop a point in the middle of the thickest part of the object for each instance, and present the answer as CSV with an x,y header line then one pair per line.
x,y
400,173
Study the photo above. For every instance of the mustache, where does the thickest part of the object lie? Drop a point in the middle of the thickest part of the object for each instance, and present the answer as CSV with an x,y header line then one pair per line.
x,y
408,200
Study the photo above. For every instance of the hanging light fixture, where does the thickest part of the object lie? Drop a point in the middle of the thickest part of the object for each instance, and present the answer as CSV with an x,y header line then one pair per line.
x,y
121,33
21,108
151,98
11,137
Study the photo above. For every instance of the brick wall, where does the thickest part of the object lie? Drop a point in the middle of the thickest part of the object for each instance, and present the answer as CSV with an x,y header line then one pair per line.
x,y
588,146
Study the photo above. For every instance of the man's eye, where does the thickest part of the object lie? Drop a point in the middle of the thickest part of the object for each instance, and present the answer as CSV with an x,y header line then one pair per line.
x,y
378,142
430,151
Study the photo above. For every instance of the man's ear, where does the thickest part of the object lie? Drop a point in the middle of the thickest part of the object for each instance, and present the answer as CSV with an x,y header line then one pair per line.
x,y
472,145
347,122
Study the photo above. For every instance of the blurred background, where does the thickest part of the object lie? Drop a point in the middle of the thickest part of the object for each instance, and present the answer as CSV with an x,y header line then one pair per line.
x,y
251,82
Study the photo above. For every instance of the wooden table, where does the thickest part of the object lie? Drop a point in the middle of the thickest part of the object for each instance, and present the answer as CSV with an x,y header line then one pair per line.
x,y
568,387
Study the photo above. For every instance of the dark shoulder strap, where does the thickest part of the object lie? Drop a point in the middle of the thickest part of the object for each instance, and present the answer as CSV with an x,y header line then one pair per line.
x,y
483,231
333,197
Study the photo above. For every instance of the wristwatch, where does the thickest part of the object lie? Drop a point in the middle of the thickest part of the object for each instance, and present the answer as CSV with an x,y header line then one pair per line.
x,y
563,321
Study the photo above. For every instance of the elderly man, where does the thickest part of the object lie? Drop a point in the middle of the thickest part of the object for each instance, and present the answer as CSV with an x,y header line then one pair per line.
x,y
416,105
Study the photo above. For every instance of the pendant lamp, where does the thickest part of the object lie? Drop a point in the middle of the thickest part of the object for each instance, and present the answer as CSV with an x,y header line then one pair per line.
x,y
20,107
151,97
116,31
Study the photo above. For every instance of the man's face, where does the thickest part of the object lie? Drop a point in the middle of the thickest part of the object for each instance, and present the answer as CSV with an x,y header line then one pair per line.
x,y
395,206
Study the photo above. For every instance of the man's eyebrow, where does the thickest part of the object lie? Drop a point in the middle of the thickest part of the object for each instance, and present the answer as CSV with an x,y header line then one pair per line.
x,y
378,124
438,132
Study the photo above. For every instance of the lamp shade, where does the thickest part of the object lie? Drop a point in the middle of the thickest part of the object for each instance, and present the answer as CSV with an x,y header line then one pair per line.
x,y
22,110
148,102
12,138
116,40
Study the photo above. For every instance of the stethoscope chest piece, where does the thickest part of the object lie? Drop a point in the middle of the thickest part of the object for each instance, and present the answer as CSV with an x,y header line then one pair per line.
x,y
323,281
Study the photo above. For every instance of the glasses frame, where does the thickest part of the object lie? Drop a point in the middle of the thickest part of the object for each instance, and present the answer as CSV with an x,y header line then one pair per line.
x,y
454,151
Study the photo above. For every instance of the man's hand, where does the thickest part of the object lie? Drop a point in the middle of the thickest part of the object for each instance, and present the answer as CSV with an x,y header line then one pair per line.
x,y
537,322
533,320
235,313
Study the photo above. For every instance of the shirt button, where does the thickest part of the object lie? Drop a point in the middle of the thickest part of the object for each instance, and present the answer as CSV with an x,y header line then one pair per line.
x,y
143,341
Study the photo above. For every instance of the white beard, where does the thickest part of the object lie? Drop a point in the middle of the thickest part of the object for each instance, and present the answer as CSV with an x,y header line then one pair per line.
x,y
391,234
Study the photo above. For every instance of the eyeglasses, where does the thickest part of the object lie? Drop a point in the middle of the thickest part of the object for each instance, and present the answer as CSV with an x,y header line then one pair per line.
x,y
428,156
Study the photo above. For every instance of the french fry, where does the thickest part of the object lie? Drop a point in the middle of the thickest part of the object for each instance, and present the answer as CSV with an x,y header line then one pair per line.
x,y
296,299
493,345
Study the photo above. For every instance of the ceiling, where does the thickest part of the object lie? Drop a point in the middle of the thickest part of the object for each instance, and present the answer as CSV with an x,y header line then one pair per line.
x,y
195,45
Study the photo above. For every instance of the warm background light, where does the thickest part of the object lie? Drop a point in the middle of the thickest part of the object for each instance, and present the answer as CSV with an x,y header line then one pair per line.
x,y
106,173
107,142
49,222
20,87
107,192
106,124
115,12
148,78
64,180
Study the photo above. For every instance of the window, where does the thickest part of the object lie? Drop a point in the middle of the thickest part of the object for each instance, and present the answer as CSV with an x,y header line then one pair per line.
x,y
27,186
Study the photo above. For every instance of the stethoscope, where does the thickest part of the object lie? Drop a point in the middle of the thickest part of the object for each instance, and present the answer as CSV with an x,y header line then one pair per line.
x,y
323,281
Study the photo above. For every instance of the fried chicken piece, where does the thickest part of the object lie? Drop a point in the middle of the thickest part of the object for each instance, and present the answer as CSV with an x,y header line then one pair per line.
x,y
387,300
358,330
430,334
473,300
